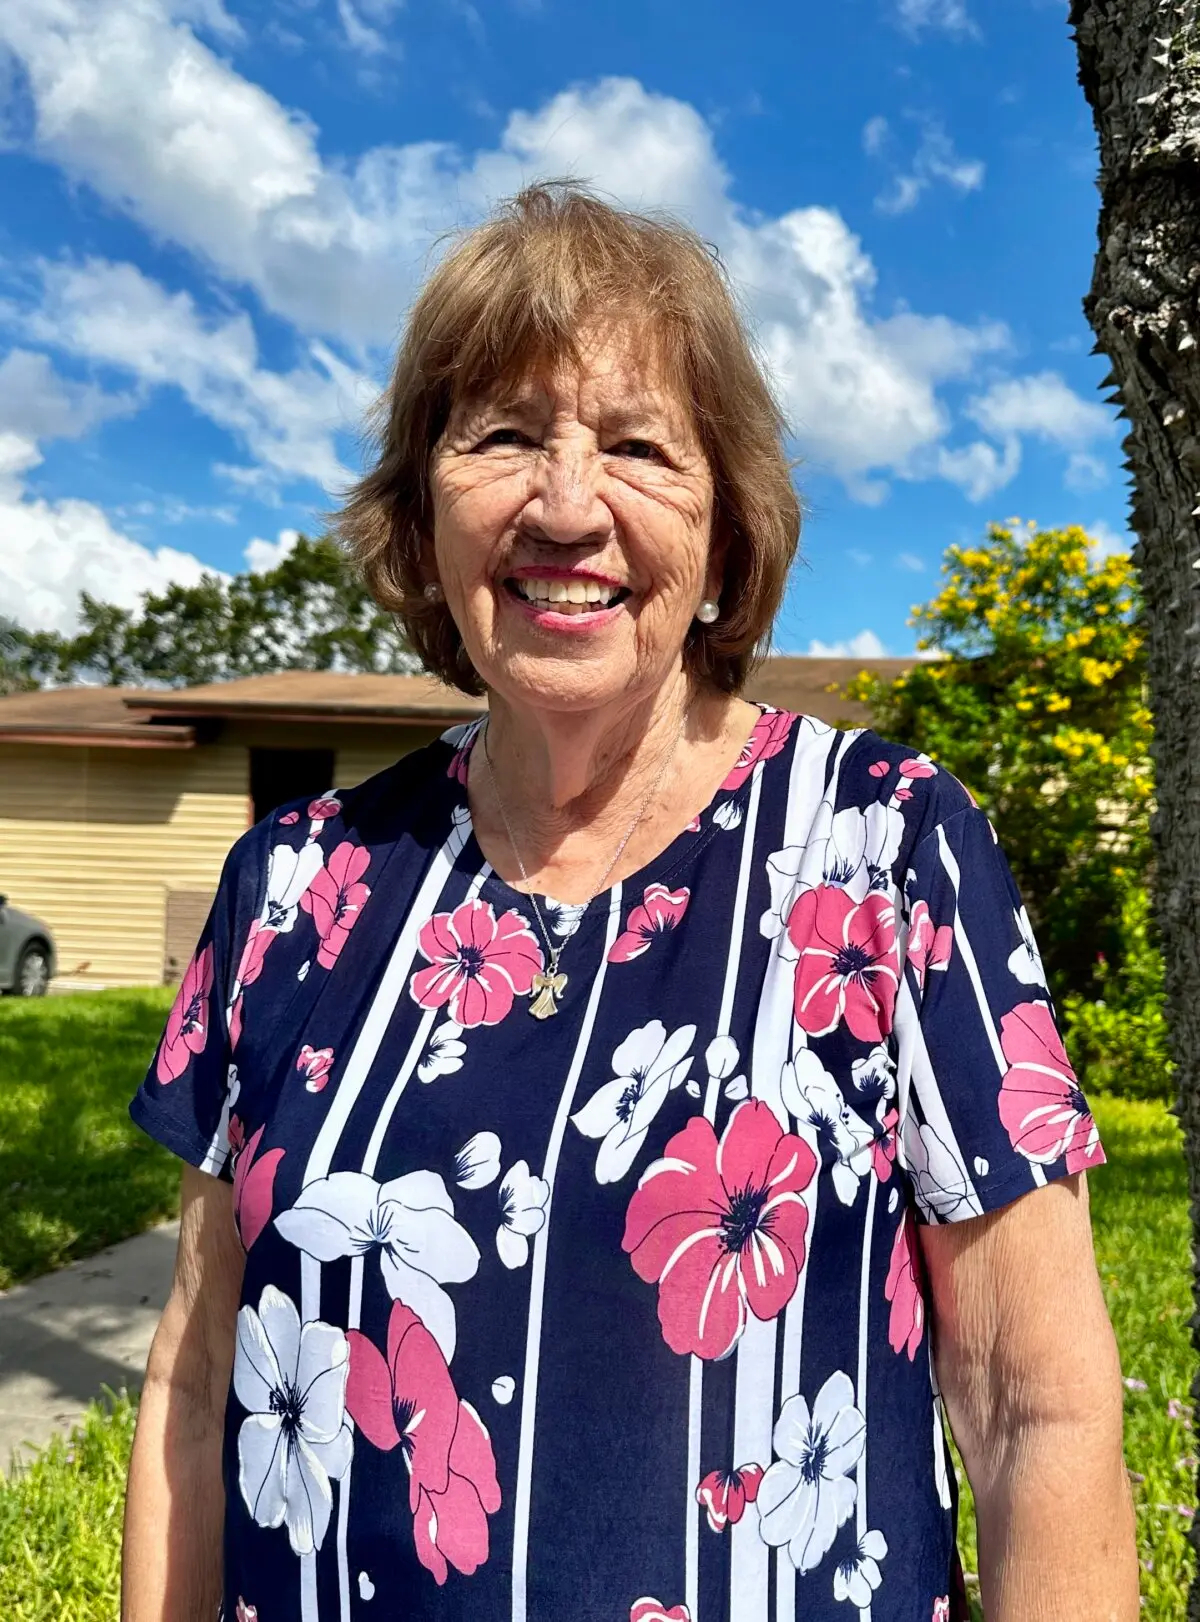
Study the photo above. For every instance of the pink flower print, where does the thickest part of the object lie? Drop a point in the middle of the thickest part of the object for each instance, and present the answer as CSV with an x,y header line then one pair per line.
x,y
1041,1105
929,947
289,819
941,1609
236,1133
258,940
408,1400
460,760
322,809
653,1610
883,1147
849,962
693,826
768,739
316,1064
235,1022
336,897
254,1188
906,1323
720,1227
246,1613
658,913
187,1023
479,963
879,768
725,1494
915,767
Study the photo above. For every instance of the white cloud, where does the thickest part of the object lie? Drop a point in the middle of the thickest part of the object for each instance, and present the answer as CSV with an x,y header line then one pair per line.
x,y
1106,540
115,315
36,403
1085,472
911,562
53,550
979,469
129,101
360,36
863,645
262,555
935,161
950,16
1041,404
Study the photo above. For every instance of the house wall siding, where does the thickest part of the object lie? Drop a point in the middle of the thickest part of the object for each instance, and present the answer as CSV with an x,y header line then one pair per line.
x,y
91,840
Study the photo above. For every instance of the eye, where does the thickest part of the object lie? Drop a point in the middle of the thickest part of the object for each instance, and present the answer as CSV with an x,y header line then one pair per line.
x,y
640,450
502,437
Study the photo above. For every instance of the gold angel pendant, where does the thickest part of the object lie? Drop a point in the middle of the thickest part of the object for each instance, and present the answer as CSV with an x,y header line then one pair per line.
x,y
548,987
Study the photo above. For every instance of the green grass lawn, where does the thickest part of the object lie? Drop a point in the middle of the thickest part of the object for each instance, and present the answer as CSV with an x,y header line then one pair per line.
x,y
75,1173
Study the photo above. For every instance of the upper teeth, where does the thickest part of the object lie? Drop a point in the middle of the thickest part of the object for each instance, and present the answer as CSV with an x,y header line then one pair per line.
x,y
567,591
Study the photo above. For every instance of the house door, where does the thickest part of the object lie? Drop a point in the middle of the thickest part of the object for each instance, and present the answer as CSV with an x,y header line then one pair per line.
x,y
279,775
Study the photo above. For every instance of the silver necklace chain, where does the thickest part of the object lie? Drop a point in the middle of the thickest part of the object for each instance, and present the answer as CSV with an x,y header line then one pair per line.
x,y
555,952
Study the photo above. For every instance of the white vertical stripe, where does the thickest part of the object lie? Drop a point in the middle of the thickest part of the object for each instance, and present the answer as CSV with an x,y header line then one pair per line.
x,y
963,943
915,1073
966,952
537,1280
754,1382
692,1510
366,1047
864,1318
354,1312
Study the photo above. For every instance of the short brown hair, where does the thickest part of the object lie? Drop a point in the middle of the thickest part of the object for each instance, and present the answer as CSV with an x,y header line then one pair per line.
x,y
518,292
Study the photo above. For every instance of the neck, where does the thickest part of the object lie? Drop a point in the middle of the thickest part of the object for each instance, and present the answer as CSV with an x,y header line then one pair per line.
x,y
557,768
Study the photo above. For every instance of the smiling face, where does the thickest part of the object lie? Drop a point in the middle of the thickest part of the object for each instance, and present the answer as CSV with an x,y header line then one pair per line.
x,y
573,529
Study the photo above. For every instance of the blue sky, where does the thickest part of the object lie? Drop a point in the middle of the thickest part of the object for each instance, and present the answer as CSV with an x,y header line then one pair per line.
x,y
214,212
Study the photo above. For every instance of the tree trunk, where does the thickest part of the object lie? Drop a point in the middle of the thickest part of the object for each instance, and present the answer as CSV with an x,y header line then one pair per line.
x,y
1139,64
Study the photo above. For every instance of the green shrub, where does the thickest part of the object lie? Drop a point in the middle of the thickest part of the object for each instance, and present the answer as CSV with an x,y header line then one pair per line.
x,y
1117,1039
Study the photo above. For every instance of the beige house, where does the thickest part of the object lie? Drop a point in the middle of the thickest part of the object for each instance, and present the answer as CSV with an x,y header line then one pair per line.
x,y
117,805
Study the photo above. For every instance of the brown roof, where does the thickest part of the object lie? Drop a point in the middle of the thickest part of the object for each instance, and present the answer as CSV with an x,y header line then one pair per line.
x,y
163,718
811,686
85,715
302,695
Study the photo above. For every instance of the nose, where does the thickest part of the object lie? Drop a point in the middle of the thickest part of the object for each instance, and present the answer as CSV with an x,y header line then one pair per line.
x,y
564,506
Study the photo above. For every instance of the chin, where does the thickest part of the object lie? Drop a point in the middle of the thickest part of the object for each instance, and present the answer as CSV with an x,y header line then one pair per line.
x,y
547,682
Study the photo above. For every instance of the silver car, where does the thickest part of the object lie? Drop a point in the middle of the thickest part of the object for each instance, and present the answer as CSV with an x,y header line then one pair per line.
x,y
26,952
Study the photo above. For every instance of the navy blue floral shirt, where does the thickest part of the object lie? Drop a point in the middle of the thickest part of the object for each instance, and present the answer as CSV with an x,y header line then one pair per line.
x,y
617,1315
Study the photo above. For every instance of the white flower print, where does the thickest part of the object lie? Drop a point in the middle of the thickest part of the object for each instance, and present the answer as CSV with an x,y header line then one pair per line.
x,y
289,874
563,917
852,849
503,1389
824,1120
721,1057
648,1064
291,1379
874,1078
477,1163
939,1178
1025,961
523,1200
728,815
409,1220
806,1495
445,1053
366,1588
857,1579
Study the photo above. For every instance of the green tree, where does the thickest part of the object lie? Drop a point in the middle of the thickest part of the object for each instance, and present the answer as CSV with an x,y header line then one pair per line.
x,y
310,612
1037,705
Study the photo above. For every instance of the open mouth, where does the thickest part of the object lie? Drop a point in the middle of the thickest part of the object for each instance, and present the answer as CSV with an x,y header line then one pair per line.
x,y
563,596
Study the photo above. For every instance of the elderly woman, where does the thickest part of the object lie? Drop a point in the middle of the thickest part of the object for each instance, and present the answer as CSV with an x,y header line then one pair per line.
x,y
617,1129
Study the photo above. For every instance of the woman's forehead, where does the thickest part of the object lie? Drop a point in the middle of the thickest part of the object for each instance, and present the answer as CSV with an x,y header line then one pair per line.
x,y
613,372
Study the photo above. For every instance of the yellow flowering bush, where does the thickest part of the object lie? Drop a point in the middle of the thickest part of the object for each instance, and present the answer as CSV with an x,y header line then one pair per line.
x,y
1033,696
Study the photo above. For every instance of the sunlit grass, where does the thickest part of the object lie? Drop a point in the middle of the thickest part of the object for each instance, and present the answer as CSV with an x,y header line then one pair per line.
x,y
75,1173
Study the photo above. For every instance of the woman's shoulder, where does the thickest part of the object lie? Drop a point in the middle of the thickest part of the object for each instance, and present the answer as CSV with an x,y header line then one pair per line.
x,y
876,771
411,795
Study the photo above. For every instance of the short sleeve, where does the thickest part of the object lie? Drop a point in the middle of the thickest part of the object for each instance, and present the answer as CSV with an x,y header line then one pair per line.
x,y
989,1105
183,1103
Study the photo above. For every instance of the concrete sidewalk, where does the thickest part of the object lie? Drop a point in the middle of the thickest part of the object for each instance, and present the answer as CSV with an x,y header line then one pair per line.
x,y
68,1333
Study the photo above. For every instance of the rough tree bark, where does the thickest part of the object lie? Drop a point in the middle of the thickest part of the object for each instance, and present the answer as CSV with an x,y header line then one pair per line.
x,y
1139,65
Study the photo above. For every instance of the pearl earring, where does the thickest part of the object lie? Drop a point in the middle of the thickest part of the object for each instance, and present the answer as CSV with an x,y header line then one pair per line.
x,y
433,592
708,611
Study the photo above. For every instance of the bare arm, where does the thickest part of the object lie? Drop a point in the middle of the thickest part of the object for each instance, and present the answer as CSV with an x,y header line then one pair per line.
x,y
171,1570
1028,1367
